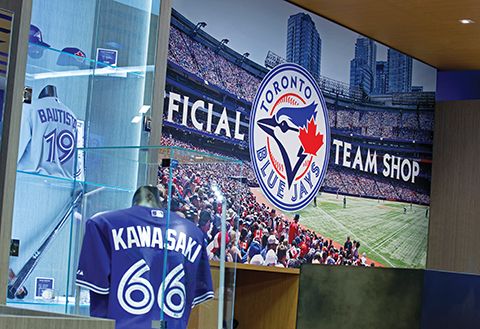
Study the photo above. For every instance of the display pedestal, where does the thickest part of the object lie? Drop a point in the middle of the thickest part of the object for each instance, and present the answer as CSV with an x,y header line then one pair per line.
x,y
270,293
265,297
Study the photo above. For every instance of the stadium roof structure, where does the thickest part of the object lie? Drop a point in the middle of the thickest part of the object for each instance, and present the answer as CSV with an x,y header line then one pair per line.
x,y
439,33
181,22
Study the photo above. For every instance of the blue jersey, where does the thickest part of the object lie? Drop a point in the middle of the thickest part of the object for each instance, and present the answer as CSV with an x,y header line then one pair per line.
x,y
47,138
122,258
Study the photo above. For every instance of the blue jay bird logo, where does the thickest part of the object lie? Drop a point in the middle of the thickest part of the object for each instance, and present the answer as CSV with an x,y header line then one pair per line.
x,y
289,137
284,126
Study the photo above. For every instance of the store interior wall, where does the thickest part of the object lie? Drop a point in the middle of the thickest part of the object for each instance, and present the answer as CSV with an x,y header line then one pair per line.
x,y
454,225
397,298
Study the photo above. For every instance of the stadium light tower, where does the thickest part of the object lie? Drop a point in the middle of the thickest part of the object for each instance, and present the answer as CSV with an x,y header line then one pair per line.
x,y
220,45
244,57
200,25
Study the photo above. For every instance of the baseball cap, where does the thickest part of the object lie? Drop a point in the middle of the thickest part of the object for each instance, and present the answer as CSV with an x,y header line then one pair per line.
x,y
272,239
36,45
71,56
35,36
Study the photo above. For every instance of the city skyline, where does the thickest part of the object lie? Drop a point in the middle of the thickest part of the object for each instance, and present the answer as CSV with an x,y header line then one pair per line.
x,y
256,30
363,65
381,77
399,72
304,45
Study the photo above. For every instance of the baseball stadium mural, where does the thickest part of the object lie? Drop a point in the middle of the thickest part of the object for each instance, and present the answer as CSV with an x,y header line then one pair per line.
x,y
361,129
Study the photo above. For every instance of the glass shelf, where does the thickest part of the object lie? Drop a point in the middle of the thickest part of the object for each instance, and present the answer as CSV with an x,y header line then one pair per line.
x,y
55,63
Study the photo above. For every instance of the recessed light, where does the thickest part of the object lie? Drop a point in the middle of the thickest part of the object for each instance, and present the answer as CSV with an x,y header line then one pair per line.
x,y
466,21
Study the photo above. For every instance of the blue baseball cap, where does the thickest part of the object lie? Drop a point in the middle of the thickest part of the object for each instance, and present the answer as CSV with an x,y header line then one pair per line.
x,y
35,36
71,56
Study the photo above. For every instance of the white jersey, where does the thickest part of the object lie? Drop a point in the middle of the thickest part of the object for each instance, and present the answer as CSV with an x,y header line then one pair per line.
x,y
47,138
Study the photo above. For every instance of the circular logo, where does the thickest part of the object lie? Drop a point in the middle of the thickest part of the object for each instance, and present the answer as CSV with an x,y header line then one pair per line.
x,y
289,137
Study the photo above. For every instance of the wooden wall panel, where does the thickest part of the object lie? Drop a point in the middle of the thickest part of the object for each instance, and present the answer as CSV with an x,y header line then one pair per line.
x,y
426,30
454,230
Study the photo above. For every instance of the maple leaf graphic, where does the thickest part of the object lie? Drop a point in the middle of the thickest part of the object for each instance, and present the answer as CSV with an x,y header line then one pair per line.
x,y
310,139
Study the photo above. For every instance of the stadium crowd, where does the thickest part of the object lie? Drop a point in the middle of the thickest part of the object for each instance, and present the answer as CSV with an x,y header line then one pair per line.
x,y
256,233
206,63
345,181
393,124
341,180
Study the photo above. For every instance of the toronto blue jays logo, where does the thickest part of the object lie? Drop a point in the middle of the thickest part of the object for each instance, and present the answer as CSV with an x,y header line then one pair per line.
x,y
80,54
289,137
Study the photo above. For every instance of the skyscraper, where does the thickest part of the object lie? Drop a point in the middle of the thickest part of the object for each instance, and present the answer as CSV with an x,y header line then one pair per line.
x,y
399,72
304,45
381,78
363,66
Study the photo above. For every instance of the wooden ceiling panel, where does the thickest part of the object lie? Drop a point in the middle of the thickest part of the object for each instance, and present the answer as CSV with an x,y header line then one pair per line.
x,y
428,30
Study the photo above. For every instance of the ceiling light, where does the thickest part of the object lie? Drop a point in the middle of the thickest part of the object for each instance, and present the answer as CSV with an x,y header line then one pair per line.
x,y
466,21
136,119
144,109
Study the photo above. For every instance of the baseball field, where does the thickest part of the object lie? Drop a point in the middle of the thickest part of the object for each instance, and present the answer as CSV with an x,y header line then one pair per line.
x,y
391,233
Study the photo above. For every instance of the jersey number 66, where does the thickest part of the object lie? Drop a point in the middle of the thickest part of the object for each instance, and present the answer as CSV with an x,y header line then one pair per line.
x,y
132,281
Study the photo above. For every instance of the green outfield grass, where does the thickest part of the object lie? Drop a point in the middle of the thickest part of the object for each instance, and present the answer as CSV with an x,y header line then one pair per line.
x,y
385,233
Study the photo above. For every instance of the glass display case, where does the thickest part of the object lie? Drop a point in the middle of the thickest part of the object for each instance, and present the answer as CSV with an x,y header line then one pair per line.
x,y
89,82
48,262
